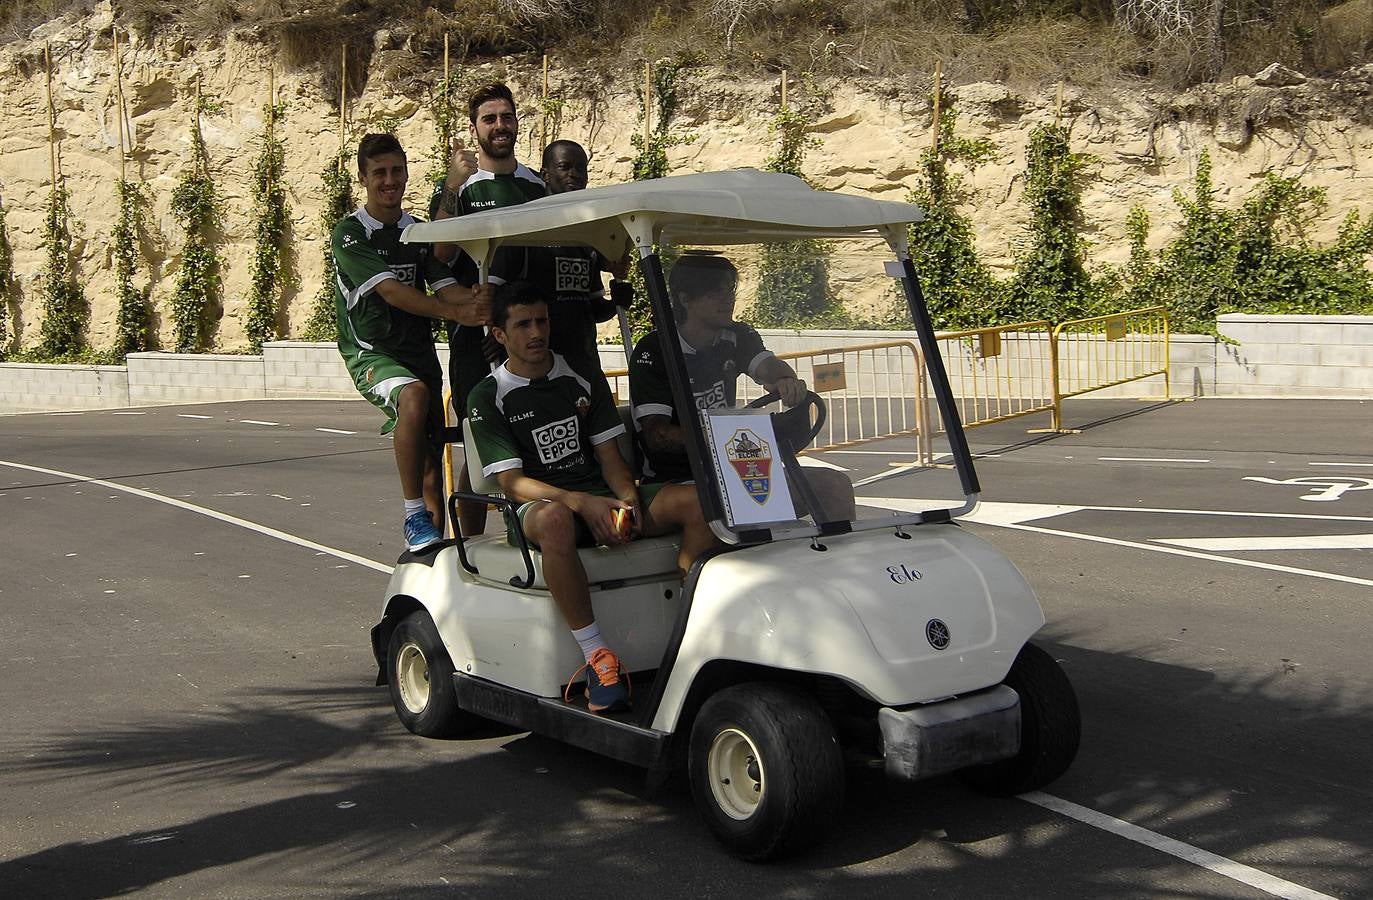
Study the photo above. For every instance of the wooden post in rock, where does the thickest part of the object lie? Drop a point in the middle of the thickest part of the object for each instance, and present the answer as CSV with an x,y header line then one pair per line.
x,y
343,100
543,121
119,99
648,102
784,90
52,119
938,88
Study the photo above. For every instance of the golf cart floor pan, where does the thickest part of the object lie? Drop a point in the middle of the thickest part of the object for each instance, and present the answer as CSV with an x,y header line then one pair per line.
x,y
572,723
923,741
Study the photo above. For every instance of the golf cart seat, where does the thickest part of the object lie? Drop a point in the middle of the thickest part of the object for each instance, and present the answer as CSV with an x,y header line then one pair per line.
x,y
495,558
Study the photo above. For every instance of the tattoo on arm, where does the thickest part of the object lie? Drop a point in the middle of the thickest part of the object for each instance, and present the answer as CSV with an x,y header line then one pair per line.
x,y
448,201
659,434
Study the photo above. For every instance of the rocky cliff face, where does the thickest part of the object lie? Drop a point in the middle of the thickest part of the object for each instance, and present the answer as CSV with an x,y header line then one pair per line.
x,y
1145,144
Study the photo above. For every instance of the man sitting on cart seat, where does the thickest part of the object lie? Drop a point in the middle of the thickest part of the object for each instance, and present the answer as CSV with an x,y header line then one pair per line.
x,y
547,433
717,350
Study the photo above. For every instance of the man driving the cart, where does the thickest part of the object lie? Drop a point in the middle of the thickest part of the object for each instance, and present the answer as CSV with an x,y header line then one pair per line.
x,y
718,350
546,432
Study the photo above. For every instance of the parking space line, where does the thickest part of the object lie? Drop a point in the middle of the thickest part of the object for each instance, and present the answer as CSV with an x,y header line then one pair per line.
x,y
1148,459
335,431
1255,878
209,513
1299,542
191,416
256,422
1343,464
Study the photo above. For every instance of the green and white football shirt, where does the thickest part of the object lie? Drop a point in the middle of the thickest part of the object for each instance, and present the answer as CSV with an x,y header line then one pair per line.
x,y
547,426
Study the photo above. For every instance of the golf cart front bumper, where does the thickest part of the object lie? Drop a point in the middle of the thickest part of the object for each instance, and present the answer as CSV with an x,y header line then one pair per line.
x,y
923,741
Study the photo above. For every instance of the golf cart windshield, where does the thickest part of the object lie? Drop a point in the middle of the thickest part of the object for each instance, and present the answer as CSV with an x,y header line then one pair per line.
x,y
754,380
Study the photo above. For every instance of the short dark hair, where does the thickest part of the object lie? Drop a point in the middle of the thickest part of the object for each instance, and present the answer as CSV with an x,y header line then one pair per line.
x,y
695,274
495,90
513,293
373,145
562,144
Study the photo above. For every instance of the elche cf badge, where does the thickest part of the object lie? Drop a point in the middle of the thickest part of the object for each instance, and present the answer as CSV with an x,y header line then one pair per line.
x,y
751,457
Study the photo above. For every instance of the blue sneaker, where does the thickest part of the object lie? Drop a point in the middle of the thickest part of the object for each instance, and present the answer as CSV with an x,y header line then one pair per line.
x,y
605,692
420,531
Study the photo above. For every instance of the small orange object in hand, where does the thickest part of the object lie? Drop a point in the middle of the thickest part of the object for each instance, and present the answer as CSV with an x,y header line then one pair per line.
x,y
622,519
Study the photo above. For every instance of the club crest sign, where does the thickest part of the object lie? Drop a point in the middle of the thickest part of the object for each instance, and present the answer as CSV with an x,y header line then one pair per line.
x,y
751,457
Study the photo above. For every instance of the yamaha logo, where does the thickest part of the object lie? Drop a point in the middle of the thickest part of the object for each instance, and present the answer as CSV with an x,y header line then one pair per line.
x,y
937,633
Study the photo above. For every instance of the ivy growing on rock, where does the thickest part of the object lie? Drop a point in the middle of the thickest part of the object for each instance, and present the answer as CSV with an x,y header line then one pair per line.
x,y
195,204
793,277
65,312
1051,280
650,161
271,220
131,326
6,284
959,289
336,184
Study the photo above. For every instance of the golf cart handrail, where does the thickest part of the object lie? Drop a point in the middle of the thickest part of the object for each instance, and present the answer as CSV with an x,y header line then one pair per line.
x,y
714,208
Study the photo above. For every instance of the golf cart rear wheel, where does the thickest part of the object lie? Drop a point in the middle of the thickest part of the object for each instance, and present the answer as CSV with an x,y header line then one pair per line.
x,y
420,676
766,772
1050,728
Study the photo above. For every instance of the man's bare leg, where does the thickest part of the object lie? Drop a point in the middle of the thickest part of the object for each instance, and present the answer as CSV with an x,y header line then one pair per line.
x,y
554,528
471,513
676,507
410,444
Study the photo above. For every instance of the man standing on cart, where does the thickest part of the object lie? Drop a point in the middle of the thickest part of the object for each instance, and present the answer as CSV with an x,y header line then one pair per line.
x,y
384,332
547,433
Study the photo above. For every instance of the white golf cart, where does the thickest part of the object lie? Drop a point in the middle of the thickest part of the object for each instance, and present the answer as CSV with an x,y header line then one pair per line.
x,y
802,645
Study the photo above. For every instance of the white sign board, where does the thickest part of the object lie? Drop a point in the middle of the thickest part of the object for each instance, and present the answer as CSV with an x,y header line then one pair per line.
x,y
743,447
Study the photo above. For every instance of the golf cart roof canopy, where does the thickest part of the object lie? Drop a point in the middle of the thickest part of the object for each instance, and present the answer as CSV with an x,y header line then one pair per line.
x,y
714,208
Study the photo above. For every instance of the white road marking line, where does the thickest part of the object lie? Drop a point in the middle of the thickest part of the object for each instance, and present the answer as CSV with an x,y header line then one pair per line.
x,y
1255,878
256,422
335,431
191,416
873,452
1148,459
67,414
1301,542
987,513
811,462
210,513
129,414
1342,464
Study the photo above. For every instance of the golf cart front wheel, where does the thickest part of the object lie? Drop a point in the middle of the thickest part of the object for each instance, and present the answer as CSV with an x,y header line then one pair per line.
x,y
420,676
1050,728
766,771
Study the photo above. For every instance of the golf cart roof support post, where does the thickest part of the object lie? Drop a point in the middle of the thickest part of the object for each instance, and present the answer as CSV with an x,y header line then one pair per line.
x,y
640,231
670,342
939,380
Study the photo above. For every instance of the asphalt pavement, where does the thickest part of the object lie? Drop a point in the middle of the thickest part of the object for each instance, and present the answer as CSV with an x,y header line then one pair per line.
x,y
189,708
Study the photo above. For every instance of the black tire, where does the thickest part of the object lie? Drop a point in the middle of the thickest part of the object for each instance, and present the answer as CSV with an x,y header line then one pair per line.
x,y
783,744
1050,728
420,676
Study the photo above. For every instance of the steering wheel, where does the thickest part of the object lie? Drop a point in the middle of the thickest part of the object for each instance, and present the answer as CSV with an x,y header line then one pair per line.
x,y
795,424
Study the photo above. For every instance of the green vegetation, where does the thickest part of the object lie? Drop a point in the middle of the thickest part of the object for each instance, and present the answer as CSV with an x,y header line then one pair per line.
x,y
337,187
131,327
6,285
195,204
65,311
271,219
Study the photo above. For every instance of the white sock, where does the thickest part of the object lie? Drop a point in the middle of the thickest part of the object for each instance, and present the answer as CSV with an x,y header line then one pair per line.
x,y
413,506
590,639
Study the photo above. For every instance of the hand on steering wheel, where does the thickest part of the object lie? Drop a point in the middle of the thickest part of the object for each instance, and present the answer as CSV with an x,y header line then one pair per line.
x,y
796,422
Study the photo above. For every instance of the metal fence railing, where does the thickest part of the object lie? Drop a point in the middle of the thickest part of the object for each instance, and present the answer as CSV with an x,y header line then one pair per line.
x,y
875,390
1103,351
1000,372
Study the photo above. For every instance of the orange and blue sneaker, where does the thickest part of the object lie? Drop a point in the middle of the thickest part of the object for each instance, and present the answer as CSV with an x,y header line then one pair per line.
x,y
605,692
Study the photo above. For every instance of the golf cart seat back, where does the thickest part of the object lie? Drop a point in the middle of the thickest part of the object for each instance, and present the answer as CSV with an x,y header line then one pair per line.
x,y
495,558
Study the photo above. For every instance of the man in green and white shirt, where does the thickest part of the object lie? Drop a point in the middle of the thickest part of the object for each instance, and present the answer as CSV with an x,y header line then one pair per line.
x,y
500,180
547,433
384,332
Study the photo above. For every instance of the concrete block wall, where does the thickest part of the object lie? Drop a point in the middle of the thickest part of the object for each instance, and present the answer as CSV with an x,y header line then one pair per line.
x,y
303,368
1295,356
27,388
193,377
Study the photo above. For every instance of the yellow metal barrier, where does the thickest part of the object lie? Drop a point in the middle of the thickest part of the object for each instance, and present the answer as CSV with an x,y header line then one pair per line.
x,y
1103,351
872,391
999,373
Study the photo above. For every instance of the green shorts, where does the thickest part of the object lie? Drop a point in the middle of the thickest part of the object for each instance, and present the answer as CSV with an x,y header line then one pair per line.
x,y
380,379
647,494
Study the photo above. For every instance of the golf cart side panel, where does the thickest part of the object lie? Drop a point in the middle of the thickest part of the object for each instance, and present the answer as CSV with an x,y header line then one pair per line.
x,y
860,611
517,637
